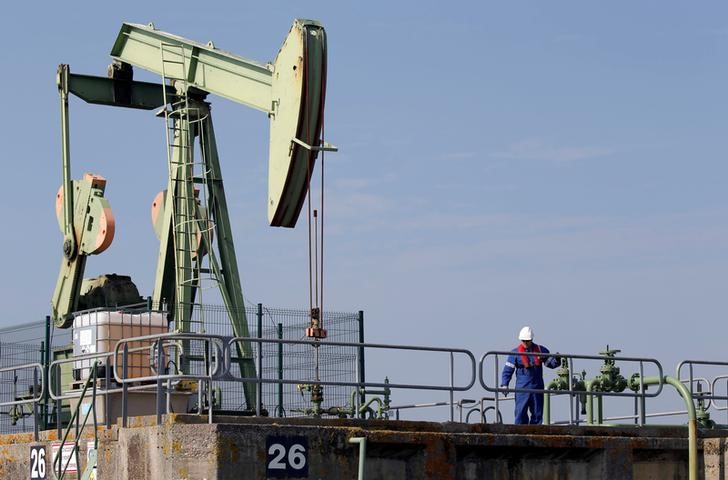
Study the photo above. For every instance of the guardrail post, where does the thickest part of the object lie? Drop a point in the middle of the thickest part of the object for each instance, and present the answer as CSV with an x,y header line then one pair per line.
x,y
643,405
452,384
160,371
35,405
497,407
209,386
107,381
124,386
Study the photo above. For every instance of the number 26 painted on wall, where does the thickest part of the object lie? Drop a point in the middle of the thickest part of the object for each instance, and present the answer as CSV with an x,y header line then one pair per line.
x,y
287,457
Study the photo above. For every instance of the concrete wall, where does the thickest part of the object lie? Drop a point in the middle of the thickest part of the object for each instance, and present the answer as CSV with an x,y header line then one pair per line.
x,y
184,447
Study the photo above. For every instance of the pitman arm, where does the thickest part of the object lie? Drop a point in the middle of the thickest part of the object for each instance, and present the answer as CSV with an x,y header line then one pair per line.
x,y
93,231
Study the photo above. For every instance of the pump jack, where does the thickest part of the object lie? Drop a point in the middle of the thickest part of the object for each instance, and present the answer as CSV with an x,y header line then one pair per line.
x,y
192,212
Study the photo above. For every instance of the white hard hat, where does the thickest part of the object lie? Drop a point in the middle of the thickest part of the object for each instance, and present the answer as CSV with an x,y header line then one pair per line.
x,y
525,334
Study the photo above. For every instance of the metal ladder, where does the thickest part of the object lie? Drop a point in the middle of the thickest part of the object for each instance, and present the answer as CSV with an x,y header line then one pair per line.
x,y
187,218
196,262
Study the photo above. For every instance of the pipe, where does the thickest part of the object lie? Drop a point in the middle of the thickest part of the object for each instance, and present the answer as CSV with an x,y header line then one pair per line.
x,y
598,410
692,421
547,408
362,441
368,403
589,403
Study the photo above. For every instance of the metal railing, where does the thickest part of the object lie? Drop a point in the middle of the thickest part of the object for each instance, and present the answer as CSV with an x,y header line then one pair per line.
x,y
712,389
38,391
692,379
57,393
640,391
464,407
451,388
219,361
217,365
219,368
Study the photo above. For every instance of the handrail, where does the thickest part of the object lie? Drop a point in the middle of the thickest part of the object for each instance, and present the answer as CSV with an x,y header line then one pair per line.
x,y
639,360
56,364
640,393
217,341
221,360
716,397
37,395
704,395
42,384
66,395
455,388
259,380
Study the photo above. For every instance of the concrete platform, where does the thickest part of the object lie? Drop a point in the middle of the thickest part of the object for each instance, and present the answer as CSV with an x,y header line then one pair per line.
x,y
186,447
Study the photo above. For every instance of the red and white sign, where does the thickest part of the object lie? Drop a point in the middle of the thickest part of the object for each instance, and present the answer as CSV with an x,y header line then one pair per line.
x,y
66,457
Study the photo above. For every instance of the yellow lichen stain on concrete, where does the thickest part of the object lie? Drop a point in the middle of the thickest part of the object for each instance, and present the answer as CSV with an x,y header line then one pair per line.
x,y
176,446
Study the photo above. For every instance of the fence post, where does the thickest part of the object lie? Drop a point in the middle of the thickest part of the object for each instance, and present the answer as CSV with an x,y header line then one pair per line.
x,y
46,371
280,370
362,374
259,389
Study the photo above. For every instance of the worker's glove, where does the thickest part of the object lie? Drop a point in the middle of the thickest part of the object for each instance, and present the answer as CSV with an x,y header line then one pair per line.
x,y
505,394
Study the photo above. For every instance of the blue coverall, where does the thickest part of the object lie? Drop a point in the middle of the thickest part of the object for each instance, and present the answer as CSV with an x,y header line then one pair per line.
x,y
531,377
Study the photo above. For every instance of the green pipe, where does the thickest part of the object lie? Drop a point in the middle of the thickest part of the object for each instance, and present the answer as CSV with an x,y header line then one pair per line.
x,y
368,403
692,420
547,409
593,411
589,403
598,410
362,441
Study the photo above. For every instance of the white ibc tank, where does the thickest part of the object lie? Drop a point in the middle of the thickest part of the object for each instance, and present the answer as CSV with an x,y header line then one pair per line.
x,y
100,331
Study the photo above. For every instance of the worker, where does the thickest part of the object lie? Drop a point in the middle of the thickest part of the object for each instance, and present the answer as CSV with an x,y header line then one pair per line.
x,y
529,374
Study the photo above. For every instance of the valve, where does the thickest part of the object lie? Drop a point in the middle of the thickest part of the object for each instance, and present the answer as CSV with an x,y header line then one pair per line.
x,y
701,413
561,382
386,403
317,397
634,383
609,380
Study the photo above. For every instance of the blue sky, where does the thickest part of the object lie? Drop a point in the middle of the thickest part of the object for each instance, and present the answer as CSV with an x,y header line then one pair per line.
x,y
559,164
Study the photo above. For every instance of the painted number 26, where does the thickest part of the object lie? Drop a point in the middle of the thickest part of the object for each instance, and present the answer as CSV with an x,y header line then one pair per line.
x,y
37,463
296,456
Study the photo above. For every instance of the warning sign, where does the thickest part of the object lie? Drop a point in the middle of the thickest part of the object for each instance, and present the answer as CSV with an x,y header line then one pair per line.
x,y
68,460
